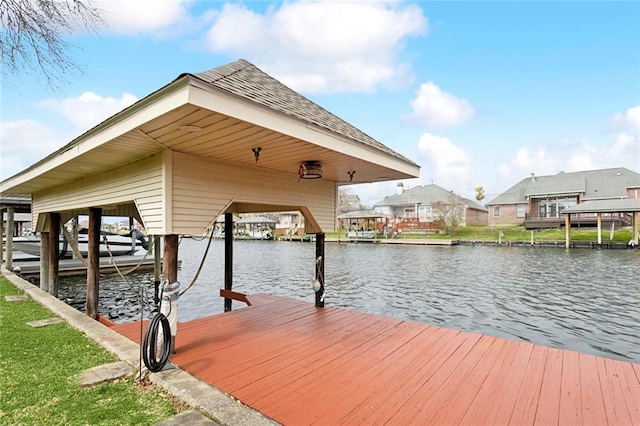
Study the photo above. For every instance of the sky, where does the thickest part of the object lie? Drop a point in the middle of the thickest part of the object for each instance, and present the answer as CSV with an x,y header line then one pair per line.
x,y
476,93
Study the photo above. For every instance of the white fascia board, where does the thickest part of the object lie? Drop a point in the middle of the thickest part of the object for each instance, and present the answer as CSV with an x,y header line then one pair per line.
x,y
143,111
205,96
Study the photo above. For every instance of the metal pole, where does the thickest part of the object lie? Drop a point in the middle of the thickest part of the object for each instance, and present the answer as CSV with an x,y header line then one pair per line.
x,y
320,269
156,269
228,258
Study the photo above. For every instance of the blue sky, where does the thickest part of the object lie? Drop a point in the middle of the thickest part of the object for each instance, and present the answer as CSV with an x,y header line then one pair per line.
x,y
477,93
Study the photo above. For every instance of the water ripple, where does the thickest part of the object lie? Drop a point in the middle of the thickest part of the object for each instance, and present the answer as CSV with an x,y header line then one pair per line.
x,y
584,300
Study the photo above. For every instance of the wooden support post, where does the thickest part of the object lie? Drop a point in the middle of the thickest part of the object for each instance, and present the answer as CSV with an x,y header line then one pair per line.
x,y
170,258
54,252
599,221
93,262
228,258
567,230
634,226
320,269
44,261
157,269
10,233
74,237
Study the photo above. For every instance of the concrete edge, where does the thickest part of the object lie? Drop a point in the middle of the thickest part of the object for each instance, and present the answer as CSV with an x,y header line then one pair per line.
x,y
221,406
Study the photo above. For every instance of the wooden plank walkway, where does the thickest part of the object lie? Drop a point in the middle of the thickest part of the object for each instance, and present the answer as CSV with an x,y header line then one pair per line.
x,y
303,365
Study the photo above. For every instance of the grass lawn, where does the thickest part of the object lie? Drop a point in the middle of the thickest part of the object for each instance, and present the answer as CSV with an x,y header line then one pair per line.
x,y
39,370
518,233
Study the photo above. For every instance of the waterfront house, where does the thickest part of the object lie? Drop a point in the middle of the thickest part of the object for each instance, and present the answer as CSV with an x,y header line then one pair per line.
x,y
538,201
420,207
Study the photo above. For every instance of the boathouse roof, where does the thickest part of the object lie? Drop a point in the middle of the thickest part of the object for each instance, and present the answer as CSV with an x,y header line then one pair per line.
x,y
231,139
188,123
246,80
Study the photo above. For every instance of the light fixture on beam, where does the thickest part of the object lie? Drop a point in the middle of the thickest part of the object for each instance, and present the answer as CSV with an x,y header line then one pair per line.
x,y
256,152
190,128
310,170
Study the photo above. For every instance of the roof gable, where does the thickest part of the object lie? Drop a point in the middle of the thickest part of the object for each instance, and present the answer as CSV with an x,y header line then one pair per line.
x,y
425,195
244,79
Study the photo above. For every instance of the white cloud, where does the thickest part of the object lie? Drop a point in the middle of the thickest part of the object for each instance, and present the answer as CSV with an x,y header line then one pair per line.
x,y
89,109
25,142
571,156
141,16
446,164
322,47
434,108
627,121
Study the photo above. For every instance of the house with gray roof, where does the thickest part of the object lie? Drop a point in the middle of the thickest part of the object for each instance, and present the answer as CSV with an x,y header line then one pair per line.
x,y
538,201
417,207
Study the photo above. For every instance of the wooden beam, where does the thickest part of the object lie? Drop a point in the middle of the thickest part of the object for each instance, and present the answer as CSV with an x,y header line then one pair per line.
x,y
170,258
234,295
93,262
228,258
54,252
599,221
567,230
44,261
320,269
10,233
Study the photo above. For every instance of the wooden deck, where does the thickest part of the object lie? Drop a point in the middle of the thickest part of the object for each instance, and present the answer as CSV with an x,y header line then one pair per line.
x,y
304,365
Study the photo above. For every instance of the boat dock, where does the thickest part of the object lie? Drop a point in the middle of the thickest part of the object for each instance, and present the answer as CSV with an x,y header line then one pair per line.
x,y
397,241
299,364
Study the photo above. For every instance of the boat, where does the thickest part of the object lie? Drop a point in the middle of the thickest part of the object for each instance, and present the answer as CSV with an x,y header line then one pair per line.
x,y
111,244
361,234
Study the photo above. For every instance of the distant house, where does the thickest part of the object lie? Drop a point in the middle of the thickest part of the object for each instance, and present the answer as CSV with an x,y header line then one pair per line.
x,y
417,207
538,201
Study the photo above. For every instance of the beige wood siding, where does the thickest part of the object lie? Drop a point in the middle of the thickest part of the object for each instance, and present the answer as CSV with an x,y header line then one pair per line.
x,y
138,183
203,188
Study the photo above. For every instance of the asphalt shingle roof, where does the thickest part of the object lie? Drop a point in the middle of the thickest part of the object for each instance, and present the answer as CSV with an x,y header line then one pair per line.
x,y
591,184
244,79
425,195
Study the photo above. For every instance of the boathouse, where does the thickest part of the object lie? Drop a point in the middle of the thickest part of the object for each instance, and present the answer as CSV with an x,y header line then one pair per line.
x,y
229,140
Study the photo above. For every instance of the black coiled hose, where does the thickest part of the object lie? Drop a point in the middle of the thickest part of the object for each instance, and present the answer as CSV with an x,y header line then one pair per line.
x,y
150,343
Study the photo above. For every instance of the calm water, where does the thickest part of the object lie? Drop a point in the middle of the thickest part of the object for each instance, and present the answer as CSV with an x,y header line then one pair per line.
x,y
584,300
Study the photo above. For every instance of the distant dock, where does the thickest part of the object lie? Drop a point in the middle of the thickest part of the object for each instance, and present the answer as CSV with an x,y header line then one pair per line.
x,y
396,241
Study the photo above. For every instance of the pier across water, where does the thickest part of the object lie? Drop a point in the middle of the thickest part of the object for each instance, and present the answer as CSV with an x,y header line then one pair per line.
x,y
301,365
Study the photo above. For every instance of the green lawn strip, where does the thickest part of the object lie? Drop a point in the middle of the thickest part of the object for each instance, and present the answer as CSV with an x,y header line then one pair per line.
x,y
39,375
515,234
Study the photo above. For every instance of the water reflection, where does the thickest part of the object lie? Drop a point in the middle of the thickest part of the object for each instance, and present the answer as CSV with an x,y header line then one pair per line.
x,y
585,300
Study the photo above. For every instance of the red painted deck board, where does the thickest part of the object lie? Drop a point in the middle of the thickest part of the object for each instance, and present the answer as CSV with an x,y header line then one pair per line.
x,y
304,365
